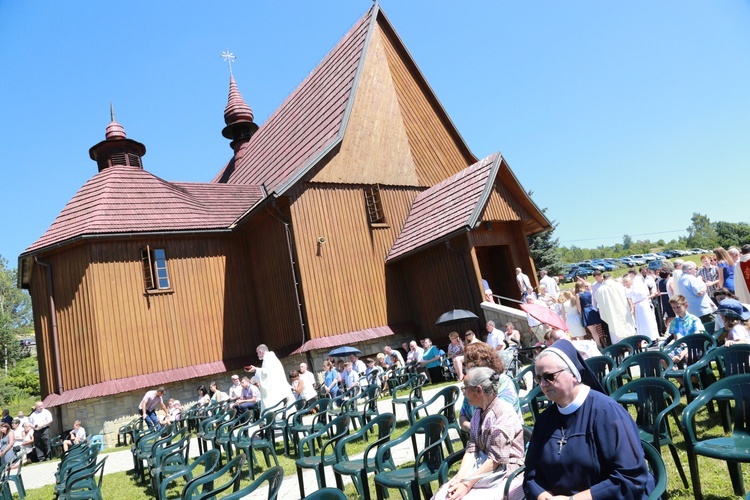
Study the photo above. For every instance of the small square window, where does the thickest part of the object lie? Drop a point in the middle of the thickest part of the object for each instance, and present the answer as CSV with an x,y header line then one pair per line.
x,y
155,274
374,205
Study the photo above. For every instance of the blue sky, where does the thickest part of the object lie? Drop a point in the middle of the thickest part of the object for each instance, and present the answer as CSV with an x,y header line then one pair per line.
x,y
621,117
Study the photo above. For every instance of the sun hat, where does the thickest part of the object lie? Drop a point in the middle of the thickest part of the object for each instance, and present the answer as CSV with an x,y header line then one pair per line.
x,y
733,309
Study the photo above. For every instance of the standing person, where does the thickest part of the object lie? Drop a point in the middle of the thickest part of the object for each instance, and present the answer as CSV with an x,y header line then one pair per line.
x,y
7,440
309,393
273,386
538,329
41,419
674,289
6,417
742,274
235,390
77,435
149,404
614,309
28,442
495,338
331,379
585,445
725,264
694,290
641,307
456,354
22,418
571,315
665,276
523,283
549,282
709,273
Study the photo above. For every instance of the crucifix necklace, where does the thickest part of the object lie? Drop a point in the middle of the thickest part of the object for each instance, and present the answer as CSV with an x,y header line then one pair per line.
x,y
561,442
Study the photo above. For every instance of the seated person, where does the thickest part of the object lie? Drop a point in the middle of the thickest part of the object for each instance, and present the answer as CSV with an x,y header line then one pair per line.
x,y
217,395
736,319
495,446
683,324
174,412
456,354
349,377
393,358
512,336
77,435
373,374
250,396
204,398
431,362
585,444
28,441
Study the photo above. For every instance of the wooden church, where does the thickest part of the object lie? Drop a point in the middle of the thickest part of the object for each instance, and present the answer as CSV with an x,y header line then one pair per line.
x,y
356,211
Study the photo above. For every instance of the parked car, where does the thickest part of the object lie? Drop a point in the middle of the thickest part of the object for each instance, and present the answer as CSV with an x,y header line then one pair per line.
x,y
593,266
628,261
638,259
663,255
574,272
650,256
655,264
28,342
608,266
680,253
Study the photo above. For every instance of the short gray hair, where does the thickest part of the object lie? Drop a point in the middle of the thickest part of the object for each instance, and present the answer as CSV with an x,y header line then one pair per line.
x,y
689,265
483,377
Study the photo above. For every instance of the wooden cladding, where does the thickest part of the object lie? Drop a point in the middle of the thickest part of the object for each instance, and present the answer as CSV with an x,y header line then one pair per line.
x,y
437,150
109,328
345,281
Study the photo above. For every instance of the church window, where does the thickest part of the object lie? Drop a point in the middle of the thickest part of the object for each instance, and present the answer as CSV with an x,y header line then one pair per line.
x,y
155,274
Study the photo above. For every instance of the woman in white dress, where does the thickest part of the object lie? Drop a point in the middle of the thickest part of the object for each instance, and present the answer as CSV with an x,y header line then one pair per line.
x,y
640,305
570,313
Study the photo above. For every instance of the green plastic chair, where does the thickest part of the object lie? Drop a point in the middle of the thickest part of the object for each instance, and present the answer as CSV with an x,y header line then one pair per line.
x,y
618,352
734,449
697,345
260,438
409,480
296,426
649,363
327,494
365,407
170,460
203,487
657,468
414,395
656,400
520,378
449,396
223,434
274,476
84,485
282,422
14,476
728,361
358,468
533,402
128,431
334,431
73,464
208,461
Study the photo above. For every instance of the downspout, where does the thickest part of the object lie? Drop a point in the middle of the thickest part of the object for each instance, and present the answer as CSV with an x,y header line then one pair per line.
x,y
53,320
288,231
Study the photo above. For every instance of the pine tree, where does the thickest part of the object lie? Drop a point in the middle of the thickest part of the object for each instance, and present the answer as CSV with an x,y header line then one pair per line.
x,y
545,250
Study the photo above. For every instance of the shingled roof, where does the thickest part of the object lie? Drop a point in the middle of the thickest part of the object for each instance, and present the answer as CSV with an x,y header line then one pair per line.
x,y
309,123
446,209
129,199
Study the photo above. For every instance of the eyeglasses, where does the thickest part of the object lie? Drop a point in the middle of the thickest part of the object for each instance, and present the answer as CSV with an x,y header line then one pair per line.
x,y
549,377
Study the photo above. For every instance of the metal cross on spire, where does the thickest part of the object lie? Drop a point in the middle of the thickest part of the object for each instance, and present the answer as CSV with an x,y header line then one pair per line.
x,y
229,58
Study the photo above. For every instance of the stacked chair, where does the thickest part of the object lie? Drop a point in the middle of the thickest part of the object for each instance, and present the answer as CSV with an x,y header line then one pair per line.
x,y
76,475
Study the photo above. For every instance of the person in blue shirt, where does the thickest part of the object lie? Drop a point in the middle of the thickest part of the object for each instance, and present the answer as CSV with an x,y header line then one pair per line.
x,y
431,362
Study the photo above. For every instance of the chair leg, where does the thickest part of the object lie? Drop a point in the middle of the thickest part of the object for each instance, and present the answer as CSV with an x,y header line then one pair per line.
x,y
678,464
321,476
364,486
413,491
735,473
694,475
301,482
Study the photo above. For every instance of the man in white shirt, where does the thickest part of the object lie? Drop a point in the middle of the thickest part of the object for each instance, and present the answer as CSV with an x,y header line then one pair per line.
x,y
550,283
41,419
415,353
673,288
495,338
235,390
523,282
357,364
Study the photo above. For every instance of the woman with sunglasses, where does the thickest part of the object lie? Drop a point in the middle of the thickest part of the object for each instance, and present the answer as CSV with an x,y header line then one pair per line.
x,y
585,445
495,447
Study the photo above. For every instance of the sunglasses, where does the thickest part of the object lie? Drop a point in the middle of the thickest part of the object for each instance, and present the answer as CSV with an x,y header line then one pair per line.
x,y
549,377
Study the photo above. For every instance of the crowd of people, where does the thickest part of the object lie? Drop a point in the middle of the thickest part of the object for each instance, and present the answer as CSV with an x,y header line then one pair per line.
x,y
26,436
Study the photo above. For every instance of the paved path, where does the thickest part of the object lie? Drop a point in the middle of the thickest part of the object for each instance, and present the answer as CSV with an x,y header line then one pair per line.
x,y
39,475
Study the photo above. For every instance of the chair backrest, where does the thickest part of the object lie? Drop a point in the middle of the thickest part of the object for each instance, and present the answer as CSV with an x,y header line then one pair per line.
x,y
332,432
735,359
520,378
696,345
203,487
327,494
85,474
386,424
601,366
274,476
739,386
448,395
435,428
649,363
637,343
658,469
655,395
617,352
280,406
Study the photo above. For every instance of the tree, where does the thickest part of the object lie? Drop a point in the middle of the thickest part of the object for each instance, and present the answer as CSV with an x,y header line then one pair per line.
x,y
627,241
701,233
545,250
15,314
732,233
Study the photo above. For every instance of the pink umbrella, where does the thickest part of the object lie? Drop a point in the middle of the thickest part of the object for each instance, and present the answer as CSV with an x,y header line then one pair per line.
x,y
545,315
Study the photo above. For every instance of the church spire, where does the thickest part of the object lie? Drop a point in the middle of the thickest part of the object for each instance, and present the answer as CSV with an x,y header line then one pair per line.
x,y
237,115
116,148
